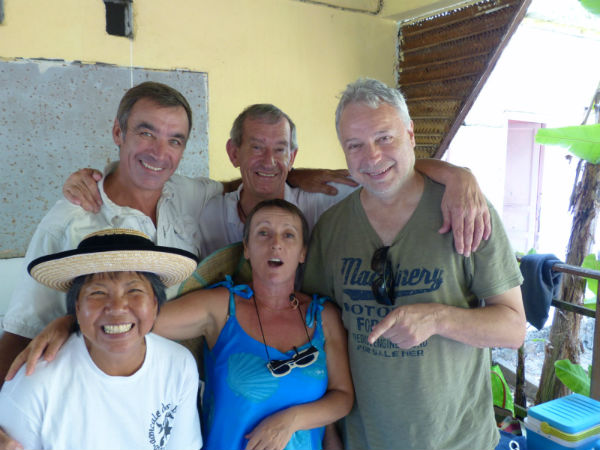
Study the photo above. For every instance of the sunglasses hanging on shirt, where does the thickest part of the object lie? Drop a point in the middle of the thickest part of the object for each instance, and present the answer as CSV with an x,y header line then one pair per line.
x,y
304,358
383,285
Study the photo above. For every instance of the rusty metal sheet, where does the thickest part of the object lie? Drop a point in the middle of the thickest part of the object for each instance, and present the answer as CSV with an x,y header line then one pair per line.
x,y
56,117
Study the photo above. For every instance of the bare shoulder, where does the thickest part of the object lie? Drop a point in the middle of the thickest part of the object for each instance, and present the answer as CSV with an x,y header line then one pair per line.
x,y
331,308
216,300
331,316
218,294
205,295
200,303
330,312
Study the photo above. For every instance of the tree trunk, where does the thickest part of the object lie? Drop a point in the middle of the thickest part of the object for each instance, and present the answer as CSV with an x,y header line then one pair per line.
x,y
564,334
520,398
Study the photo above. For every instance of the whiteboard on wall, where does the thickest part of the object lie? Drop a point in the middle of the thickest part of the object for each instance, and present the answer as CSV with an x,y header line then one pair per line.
x,y
56,117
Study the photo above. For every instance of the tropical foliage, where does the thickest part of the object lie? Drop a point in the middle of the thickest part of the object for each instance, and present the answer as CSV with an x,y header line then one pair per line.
x,y
592,6
583,140
573,376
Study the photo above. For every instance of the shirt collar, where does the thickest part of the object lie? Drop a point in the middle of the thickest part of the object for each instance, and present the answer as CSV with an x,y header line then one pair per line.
x,y
232,199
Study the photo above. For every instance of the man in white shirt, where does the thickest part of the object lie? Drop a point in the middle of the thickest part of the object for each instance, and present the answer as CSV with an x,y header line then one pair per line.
x,y
151,129
263,145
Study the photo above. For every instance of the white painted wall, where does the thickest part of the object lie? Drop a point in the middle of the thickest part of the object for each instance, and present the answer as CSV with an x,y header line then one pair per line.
x,y
546,74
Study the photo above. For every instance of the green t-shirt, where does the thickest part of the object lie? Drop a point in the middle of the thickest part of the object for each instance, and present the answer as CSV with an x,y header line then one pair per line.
x,y
436,395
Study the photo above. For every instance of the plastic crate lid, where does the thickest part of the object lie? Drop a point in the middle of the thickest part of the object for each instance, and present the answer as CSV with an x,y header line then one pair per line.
x,y
572,414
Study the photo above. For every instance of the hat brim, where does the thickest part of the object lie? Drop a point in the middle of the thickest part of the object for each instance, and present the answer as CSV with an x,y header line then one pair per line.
x,y
58,271
228,260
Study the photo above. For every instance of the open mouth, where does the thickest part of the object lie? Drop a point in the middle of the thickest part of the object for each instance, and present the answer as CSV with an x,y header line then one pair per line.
x,y
117,329
149,167
275,262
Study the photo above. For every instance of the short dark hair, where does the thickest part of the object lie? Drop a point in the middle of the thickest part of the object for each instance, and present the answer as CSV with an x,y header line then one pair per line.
x,y
266,112
281,204
159,93
158,287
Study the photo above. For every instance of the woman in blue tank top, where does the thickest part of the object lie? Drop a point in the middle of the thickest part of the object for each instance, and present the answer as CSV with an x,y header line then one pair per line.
x,y
276,360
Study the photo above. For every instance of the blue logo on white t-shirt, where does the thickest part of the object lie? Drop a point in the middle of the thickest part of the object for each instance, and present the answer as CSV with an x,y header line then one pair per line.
x,y
161,426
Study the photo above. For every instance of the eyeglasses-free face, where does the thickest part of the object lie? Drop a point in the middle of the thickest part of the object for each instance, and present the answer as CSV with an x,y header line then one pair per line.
x,y
383,285
279,368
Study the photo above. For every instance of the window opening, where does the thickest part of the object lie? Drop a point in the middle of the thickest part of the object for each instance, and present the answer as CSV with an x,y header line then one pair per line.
x,y
119,17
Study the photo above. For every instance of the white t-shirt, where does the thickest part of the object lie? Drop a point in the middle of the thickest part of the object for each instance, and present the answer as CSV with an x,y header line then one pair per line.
x,y
220,224
71,404
33,305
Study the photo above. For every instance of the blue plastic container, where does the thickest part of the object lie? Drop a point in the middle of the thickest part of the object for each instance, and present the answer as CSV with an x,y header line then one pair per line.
x,y
564,423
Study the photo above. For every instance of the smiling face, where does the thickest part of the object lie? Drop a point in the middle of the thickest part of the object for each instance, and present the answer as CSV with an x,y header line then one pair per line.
x,y
152,146
275,244
378,146
115,311
264,157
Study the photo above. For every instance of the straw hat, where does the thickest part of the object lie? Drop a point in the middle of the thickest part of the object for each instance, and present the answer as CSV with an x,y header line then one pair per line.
x,y
228,260
113,250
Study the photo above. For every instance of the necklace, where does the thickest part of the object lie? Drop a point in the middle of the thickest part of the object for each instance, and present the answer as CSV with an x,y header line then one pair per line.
x,y
293,304
301,359
241,212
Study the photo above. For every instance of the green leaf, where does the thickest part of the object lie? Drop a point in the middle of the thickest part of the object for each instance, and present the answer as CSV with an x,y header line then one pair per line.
x,y
583,140
590,303
573,376
592,6
590,262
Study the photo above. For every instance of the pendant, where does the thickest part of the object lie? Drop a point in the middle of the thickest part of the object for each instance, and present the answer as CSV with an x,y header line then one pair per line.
x,y
294,301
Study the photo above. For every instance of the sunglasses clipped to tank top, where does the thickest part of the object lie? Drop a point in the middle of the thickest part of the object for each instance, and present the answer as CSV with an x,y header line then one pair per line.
x,y
304,358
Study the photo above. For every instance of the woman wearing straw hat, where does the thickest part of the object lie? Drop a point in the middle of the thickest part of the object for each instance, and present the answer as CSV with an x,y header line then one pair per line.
x,y
113,384
276,359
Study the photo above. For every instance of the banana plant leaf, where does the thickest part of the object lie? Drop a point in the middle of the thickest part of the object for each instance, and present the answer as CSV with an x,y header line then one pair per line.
x,y
573,376
583,140
592,6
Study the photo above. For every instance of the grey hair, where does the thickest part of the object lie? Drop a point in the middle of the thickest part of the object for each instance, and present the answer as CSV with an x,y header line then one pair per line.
x,y
373,93
266,112
158,287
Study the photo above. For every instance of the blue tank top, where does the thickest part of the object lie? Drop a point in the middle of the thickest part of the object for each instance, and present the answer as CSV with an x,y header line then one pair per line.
x,y
240,391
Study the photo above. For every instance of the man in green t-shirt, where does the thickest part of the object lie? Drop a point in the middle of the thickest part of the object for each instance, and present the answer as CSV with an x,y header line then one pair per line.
x,y
419,315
